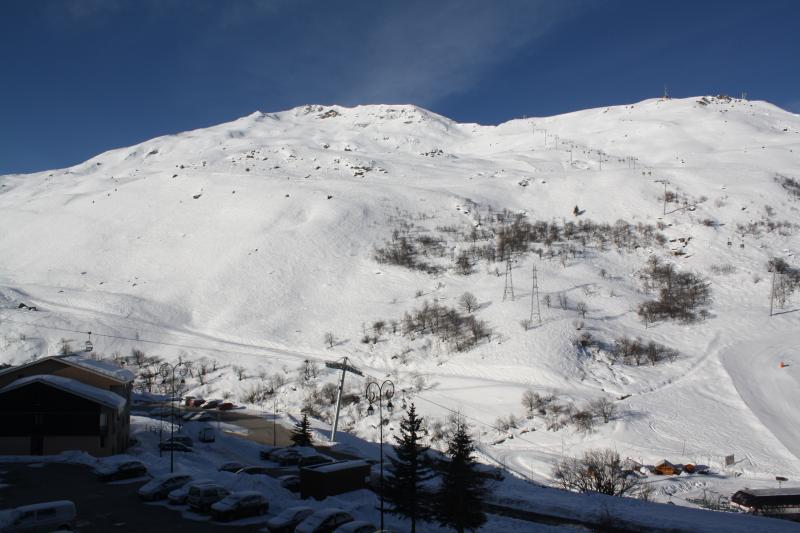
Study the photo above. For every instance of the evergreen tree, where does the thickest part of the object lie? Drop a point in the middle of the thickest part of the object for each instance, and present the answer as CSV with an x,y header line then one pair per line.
x,y
301,434
403,487
459,502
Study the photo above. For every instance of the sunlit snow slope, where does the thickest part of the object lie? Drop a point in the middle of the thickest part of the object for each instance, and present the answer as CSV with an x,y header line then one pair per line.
x,y
257,236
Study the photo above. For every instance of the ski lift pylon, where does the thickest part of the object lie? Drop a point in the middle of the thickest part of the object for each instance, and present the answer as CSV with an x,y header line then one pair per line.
x,y
89,345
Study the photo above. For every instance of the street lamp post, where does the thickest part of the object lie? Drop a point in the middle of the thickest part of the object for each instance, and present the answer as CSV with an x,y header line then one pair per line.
x,y
376,393
168,371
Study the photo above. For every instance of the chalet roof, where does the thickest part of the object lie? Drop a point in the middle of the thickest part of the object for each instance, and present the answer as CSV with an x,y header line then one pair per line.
x,y
103,368
760,498
72,386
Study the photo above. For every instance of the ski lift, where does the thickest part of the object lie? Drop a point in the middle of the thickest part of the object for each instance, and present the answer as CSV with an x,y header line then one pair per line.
x,y
89,345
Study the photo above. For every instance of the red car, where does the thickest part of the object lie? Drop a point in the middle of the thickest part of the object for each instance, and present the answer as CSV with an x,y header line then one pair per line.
x,y
226,406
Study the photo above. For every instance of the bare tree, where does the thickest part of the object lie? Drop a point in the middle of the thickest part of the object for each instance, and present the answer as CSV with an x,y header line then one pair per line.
x,y
563,302
583,420
598,471
240,372
581,307
330,339
468,302
605,408
548,301
531,401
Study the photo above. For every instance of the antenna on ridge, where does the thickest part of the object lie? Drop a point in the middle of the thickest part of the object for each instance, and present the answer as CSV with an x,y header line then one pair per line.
x,y
666,94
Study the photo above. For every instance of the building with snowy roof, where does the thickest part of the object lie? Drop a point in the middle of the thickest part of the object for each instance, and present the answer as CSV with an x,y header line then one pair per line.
x,y
64,403
777,503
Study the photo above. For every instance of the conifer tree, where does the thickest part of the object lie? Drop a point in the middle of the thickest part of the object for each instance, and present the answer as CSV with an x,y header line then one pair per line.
x,y
459,501
301,434
403,488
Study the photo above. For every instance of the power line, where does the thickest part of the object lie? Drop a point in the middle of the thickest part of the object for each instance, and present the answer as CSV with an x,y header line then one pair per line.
x,y
309,358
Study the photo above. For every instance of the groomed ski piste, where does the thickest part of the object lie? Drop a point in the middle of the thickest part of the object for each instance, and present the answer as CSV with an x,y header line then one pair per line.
x,y
247,242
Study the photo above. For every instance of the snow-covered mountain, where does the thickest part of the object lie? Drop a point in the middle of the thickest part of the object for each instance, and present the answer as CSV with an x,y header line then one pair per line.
x,y
248,241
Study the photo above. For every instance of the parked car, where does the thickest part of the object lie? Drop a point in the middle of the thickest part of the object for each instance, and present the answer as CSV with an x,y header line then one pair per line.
x,y
287,520
46,516
254,470
120,470
231,467
168,445
239,505
186,440
266,452
316,459
324,521
202,497
225,406
179,496
286,456
290,482
356,526
211,404
158,488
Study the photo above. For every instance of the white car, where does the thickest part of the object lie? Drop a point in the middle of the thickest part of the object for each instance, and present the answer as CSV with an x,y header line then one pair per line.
x,y
159,487
48,516
356,526
286,521
240,505
178,496
324,521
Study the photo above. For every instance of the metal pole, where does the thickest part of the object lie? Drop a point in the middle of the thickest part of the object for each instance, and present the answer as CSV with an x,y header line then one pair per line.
x,y
380,415
275,420
338,402
172,426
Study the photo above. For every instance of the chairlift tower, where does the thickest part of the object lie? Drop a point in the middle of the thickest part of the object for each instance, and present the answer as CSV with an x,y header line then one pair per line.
x,y
345,368
535,295
508,289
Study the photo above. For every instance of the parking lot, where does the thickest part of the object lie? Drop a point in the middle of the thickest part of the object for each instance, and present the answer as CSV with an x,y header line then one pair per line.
x,y
102,507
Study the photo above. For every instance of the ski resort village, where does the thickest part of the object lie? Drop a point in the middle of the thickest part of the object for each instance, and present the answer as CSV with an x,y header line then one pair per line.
x,y
372,317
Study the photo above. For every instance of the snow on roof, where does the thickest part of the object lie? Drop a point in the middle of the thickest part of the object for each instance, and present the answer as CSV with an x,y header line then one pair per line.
x,y
72,386
103,367
340,465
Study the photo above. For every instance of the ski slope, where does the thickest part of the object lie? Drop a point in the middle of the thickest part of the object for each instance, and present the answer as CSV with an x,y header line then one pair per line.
x,y
246,242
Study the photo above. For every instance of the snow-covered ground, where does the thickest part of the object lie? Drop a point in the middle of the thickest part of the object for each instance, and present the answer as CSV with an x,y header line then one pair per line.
x,y
248,241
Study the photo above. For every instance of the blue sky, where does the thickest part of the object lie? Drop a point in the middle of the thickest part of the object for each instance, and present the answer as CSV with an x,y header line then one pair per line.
x,y
78,77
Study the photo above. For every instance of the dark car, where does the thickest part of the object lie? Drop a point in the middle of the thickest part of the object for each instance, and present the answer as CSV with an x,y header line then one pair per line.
x,y
324,521
122,470
290,482
211,404
286,457
240,505
202,497
254,471
265,453
174,446
231,467
183,439
160,487
226,406
288,519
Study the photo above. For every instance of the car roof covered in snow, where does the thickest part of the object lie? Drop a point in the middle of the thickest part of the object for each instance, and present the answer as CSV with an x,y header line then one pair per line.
x,y
72,386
